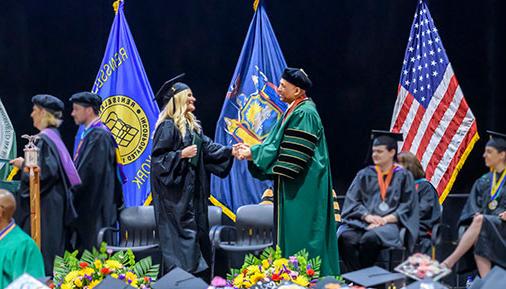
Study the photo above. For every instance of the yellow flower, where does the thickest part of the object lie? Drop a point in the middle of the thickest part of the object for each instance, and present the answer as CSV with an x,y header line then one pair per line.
x,y
252,269
285,276
98,264
256,277
78,282
71,276
113,264
86,271
238,280
66,286
265,264
278,264
301,280
93,284
114,275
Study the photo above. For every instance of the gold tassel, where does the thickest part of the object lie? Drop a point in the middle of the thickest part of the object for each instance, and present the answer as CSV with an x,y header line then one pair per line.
x,y
115,6
255,4
12,174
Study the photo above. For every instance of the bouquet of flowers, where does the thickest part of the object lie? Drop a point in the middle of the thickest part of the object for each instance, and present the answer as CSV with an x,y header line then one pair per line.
x,y
271,267
73,273
420,266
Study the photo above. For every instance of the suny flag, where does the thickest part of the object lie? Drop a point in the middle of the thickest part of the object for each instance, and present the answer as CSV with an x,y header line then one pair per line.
x,y
431,111
250,110
128,107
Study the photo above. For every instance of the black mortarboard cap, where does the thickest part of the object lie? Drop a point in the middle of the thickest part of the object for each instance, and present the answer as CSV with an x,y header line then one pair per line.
x,y
112,283
170,88
372,276
497,140
49,103
495,279
87,99
323,282
178,278
297,77
383,137
426,283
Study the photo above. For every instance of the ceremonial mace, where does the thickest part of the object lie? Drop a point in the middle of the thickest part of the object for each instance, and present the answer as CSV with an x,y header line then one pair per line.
x,y
32,167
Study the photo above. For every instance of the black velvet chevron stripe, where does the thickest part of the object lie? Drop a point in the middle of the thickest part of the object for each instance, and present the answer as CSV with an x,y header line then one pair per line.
x,y
292,160
302,134
284,171
297,147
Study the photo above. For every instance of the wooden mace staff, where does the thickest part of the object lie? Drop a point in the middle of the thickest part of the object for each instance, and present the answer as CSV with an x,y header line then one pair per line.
x,y
32,168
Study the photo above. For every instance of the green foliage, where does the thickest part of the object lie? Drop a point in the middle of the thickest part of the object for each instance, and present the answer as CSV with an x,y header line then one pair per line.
x,y
145,268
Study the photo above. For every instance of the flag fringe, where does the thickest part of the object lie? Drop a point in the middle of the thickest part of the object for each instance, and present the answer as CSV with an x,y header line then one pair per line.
x,y
462,160
224,208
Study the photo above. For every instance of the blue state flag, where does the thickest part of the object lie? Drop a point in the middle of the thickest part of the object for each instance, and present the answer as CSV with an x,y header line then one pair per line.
x,y
128,109
251,109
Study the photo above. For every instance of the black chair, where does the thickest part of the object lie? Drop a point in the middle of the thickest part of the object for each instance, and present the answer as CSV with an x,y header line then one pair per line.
x,y
214,214
136,231
388,256
253,232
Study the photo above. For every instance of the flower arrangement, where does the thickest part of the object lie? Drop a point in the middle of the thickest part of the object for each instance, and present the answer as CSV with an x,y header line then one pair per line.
x,y
272,267
73,273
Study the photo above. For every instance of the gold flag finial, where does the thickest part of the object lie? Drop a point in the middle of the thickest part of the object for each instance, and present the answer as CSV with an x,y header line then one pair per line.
x,y
115,6
255,4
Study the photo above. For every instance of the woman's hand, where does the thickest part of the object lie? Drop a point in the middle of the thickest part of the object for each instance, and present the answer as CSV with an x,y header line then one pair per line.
x,y
503,216
189,152
17,162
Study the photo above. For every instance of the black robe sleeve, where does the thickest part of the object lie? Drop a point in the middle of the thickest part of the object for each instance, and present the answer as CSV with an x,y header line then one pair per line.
x,y
430,209
353,208
217,158
475,201
167,166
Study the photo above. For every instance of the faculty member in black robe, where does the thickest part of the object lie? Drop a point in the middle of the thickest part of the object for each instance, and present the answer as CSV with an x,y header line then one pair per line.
x,y
179,180
485,210
99,196
380,201
57,176
428,202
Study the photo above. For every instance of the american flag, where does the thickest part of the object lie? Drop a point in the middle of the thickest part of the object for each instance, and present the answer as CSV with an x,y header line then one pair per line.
x,y
431,111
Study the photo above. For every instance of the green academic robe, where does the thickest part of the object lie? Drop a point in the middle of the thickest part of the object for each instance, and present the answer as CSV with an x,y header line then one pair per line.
x,y
18,255
295,156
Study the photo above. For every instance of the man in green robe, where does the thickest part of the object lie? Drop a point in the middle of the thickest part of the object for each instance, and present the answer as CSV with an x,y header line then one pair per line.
x,y
18,252
295,156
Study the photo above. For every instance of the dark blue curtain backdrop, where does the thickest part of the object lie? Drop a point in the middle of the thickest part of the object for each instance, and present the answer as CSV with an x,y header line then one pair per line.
x,y
352,49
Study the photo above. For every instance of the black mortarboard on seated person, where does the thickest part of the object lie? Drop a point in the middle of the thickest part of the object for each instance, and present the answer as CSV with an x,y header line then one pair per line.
x,y
497,140
87,99
50,103
372,276
383,137
297,77
170,88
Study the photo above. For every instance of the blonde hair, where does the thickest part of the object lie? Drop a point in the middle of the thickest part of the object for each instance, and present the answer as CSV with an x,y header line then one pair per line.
x,y
51,119
179,115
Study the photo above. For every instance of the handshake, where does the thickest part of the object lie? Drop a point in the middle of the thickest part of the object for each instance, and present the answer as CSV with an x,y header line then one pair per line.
x,y
241,151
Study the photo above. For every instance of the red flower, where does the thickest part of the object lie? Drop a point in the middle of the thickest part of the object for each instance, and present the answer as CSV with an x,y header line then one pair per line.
x,y
105,271
52,285
310,272
276,277
83,265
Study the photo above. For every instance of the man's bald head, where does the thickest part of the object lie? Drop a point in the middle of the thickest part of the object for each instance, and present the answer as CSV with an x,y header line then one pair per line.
x,y
7,205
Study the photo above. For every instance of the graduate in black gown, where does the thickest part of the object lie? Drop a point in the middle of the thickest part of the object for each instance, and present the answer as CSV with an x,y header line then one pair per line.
x,y
181,160
485,211
57,175
428,202
380,201
99,196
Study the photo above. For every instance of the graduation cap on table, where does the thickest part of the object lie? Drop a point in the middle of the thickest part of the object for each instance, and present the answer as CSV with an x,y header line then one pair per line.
x,y
497,140
170,88
495,279
372,276
425,284
178,278
112,283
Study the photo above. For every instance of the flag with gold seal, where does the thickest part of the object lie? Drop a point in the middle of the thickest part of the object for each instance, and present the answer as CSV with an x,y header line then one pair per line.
x,y
128,109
